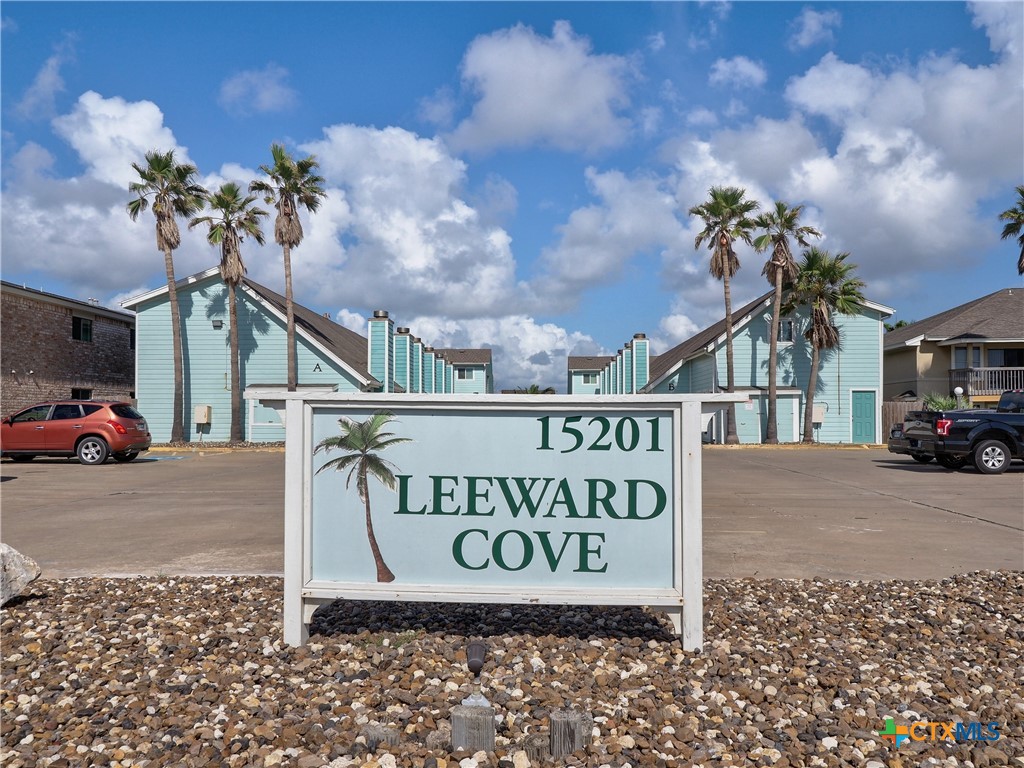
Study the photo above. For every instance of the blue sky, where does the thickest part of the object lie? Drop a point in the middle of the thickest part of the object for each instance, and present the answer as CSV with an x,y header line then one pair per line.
x,y
517,175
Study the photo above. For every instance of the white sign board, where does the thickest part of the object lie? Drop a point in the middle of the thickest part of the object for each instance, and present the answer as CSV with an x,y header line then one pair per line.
x,y
499,499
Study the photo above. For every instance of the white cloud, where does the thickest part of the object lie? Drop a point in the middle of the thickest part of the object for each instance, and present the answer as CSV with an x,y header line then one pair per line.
x,y
257,91
631,215
111,134
410,239
656,42
523,351
831,88
738,71
40,99
701,116
551,91
812,27
438,109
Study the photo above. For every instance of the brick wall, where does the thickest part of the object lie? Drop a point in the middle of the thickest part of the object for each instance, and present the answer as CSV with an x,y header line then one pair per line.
x,y
40,361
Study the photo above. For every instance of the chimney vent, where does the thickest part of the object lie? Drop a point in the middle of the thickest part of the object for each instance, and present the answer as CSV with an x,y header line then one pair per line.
x,y
382,313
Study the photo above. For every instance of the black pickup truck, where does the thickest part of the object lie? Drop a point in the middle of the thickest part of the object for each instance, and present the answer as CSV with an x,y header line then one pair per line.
x,y
988,438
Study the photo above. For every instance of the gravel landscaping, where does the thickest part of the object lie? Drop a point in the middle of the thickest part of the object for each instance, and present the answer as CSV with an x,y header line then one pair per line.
x,y
193,672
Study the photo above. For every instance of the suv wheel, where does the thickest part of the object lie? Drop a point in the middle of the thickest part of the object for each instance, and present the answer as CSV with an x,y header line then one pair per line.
x,y
92,450
991,457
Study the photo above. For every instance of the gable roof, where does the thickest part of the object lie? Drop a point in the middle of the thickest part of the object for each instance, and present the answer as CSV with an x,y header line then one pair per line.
x,y
666,363
999,315
345,344
589,362
346,347
465,356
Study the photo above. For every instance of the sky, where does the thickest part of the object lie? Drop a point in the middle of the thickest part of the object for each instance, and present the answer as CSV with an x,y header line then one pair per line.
x,y
518,175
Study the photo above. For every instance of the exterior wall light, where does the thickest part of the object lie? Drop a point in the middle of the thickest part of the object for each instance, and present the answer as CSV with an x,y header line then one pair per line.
x,y
218,324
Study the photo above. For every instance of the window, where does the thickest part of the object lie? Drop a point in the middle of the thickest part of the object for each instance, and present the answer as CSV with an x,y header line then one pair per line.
x,y
131,338
90,408
590,378
786,330
464,374
959,357
975,357
66,412
1006,358
35,413
81,329
81,394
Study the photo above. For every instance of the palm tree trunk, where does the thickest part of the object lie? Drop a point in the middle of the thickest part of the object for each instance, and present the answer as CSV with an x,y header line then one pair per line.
x,y
772,431
177,419
293,371
384,573
236,393
731,438
812,385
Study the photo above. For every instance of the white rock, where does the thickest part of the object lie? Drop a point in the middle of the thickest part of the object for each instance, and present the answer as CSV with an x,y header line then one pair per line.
x,y
520,759
16,572
830,742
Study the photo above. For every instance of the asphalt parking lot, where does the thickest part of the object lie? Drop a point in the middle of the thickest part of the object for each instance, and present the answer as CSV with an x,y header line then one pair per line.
x,y
768,513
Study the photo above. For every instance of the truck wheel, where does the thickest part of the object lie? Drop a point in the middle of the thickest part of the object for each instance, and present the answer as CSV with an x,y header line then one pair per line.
x,y
921,457
951,462
991,457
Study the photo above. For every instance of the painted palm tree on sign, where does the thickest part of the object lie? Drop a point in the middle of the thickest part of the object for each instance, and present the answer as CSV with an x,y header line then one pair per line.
x,y
234,218
362,441
292,184
174,193
779,226
825,284
726,214
1014,218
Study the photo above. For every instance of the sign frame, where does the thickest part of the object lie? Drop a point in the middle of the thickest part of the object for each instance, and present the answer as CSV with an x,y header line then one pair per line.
x,y
683,602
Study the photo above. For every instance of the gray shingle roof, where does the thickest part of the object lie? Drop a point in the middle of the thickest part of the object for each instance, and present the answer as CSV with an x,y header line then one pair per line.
x,y
999,315
345,344
466,356
589,363
663,363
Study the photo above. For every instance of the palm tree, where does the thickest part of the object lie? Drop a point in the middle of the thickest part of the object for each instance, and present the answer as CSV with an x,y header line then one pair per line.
x,y
1014,218
362,441
175,193
779,225
234,219
535,389
825,284
291,184
726,215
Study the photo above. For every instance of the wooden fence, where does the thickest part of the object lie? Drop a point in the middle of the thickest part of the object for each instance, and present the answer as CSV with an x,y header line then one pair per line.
x,y
894,411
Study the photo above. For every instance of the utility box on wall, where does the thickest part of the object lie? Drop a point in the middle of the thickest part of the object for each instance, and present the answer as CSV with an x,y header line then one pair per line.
x,y
818,414
202,414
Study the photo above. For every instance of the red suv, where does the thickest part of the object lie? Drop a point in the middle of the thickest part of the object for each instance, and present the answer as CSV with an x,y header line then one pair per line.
x,y
89,429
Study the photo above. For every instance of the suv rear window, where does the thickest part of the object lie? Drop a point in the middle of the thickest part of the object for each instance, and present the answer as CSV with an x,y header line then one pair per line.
x,y
90,408
125,411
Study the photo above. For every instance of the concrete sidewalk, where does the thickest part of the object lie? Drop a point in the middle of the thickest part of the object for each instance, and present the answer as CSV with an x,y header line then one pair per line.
x,y
784,512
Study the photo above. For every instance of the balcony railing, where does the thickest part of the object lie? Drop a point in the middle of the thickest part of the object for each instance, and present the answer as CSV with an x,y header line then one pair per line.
x,y
986,381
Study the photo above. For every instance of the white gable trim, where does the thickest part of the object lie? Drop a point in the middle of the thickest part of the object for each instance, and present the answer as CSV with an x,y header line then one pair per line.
x,y
180,283
300,331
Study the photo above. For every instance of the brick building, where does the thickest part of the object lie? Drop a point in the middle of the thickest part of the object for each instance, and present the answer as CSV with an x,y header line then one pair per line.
x,y
55,347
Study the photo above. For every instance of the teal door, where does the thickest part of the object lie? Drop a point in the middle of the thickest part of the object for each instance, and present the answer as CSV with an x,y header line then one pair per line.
x,y
864,417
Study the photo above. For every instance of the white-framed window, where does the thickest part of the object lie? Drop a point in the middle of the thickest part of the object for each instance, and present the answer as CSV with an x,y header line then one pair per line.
x,y
590,378
464,374
786,331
